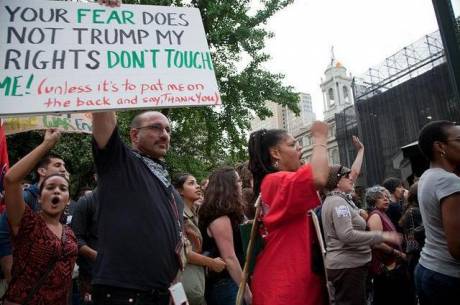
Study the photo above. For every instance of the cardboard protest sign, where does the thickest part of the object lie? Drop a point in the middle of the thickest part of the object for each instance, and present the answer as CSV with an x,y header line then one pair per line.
x,y
74,57
70,122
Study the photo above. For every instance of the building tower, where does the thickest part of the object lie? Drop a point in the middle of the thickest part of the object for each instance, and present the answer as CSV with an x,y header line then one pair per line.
x,y
277,120
336,88
337,95
284,118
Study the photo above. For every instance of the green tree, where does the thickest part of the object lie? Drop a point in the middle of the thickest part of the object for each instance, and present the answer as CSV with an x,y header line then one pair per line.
x,y
204,137
74,148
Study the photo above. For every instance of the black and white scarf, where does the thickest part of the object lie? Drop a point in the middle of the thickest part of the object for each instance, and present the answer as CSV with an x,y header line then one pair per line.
x,y
156,167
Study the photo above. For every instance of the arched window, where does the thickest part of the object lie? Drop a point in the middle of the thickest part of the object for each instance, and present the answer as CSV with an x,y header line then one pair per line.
x,y
331,95
346,93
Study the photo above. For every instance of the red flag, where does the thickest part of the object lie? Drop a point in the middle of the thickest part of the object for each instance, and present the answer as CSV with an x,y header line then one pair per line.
x,y
4,163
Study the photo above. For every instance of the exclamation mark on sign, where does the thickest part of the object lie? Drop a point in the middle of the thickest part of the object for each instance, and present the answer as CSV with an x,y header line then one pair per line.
x,y
29,83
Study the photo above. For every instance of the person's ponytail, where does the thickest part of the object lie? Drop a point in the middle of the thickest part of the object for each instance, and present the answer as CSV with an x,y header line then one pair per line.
x,y
260,161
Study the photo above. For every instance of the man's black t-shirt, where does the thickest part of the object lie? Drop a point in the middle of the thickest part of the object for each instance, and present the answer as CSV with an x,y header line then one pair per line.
x,y
137,229
84,225
394,212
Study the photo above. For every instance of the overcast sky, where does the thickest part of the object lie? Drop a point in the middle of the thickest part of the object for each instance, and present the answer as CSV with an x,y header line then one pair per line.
x,y
363,33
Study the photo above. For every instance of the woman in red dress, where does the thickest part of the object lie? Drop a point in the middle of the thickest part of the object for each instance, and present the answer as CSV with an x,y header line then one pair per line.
x,y
44,250
283,272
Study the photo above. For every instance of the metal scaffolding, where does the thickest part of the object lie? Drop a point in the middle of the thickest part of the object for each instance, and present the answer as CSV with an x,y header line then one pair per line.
x,y
411,61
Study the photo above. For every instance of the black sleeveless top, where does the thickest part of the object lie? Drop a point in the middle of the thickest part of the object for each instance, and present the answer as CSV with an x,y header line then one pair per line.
x,y
210,249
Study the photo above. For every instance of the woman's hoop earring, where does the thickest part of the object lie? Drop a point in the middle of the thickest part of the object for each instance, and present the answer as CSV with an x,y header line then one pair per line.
x,y
276,164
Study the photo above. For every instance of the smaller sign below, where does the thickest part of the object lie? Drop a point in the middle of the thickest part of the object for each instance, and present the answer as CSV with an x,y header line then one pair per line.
x,y
75,122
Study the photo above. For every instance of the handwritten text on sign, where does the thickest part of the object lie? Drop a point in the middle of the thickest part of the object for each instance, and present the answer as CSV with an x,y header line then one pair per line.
x,y
70,122
64,57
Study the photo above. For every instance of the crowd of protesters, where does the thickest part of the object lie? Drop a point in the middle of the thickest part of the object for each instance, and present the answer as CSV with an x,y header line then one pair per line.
x,y
140,236
138,233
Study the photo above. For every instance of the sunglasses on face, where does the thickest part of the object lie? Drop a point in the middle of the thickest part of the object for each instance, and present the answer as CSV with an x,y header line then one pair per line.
x,y
340,174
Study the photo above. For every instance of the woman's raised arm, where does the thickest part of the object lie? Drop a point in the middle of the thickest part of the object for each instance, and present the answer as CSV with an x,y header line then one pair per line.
x,y
14,200
319,159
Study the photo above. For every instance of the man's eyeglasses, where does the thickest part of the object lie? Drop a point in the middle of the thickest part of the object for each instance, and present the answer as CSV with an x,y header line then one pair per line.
x,y
158,128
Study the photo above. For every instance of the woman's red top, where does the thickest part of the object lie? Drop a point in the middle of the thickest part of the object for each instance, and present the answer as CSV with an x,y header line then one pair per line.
x,y
33,248
283,273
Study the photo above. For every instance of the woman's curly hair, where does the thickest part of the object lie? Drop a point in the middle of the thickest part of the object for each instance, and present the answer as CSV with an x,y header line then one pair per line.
x,y
372,194
222,198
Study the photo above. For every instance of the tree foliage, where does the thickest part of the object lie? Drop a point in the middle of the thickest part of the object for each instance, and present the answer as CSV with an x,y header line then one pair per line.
x,y
74,148
204,137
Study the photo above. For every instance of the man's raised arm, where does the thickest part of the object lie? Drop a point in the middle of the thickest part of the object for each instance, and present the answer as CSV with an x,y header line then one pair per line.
x,y
103,125
104,122
110,3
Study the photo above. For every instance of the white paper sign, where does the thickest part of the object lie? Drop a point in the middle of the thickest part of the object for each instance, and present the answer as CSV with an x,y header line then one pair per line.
x,y
178,294
74,57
